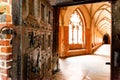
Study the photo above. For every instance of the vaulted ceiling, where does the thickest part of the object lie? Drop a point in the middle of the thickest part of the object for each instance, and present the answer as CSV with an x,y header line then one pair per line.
x,y
101,13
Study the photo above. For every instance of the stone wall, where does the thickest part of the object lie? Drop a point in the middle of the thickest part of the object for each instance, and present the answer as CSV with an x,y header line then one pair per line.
x,y
32,34
5,39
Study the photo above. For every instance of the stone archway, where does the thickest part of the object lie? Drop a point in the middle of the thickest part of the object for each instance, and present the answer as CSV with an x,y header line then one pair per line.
x,y
106,39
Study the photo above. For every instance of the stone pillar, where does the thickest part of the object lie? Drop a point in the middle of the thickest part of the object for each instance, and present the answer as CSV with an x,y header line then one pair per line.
x,y
66,40
88,41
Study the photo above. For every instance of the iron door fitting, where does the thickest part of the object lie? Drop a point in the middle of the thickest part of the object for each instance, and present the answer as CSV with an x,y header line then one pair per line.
x,y
4,31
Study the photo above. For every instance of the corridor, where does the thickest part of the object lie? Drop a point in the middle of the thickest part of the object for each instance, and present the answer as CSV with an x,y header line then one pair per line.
x,y
104,50
86,67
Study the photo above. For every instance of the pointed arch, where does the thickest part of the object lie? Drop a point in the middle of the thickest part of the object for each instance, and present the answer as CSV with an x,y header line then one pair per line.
x,y
76,30
84,12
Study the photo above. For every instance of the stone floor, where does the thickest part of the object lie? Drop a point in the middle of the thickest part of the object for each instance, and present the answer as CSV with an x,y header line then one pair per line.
x,y
104,50
86,67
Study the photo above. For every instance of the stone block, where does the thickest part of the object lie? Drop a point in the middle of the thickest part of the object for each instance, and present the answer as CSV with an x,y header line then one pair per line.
x,y
5,8
1,9
4,70
5,63
4,77
6,49
4,1
8,36
8,18
4,43
5,57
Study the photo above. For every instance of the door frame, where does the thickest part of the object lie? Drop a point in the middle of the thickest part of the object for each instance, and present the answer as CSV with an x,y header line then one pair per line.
x,y
77,2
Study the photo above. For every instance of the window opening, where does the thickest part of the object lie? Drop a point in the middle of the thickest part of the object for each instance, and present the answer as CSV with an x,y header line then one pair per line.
x,y
75,29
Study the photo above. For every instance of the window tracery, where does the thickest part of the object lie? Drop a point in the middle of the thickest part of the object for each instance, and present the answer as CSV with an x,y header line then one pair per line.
x,y
75,29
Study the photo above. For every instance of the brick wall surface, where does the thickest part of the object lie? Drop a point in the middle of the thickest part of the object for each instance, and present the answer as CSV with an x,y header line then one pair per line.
x,y
5,46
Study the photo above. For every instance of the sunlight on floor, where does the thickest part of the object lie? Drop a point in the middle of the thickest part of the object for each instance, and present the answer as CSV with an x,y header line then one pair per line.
x,y
104,50
85,67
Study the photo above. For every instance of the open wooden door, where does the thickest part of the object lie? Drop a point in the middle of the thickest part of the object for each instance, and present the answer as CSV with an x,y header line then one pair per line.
x,y
34,54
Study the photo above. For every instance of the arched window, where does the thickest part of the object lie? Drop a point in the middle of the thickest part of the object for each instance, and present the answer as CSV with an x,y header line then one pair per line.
x,y
75,29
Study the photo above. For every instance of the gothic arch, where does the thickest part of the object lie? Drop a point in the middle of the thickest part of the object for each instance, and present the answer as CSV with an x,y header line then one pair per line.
x,y
84,12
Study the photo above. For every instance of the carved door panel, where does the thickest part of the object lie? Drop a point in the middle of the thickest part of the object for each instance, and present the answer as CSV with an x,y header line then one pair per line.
x,y
33,55
36,54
